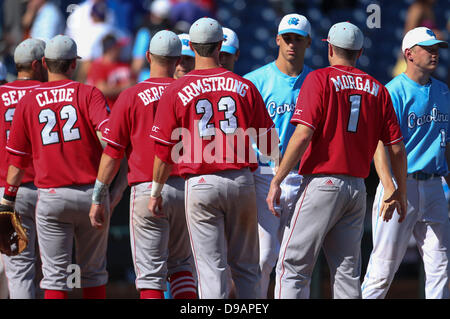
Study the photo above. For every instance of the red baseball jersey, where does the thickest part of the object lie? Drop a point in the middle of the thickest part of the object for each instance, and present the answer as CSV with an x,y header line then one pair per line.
x,y
10,95
349,112
209,118
129,128
55,125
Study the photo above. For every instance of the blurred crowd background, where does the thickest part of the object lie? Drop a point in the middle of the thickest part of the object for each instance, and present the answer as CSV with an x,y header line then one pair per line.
x,y
113,35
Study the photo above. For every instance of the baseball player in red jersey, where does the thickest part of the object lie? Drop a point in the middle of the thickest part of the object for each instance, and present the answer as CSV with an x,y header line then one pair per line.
x,y
55,126
159,244
22,270
204,122
341,114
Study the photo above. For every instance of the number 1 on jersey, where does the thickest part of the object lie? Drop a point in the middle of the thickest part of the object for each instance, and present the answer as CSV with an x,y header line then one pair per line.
x,y
355,107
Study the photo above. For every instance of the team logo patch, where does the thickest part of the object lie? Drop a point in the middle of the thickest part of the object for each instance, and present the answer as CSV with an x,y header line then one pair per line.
x,y
329,182
429,32
293,21
185,42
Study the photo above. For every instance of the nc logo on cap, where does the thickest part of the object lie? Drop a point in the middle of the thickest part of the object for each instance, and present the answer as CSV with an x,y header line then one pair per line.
x,y
429,32
225,36
185,42
293,21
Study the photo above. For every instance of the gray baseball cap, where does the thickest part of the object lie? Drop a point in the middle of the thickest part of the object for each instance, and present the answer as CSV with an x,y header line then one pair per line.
x,y
165,43
61,47
29,50
345,35
206,30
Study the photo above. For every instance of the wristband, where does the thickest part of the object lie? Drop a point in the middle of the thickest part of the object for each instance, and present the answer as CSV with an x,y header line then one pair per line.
x,y
100,192
156,189
11,191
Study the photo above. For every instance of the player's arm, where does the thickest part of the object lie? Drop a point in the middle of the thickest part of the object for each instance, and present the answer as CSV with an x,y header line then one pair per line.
x,y
383,169
13,180
398,159
108,168
296,148
161,172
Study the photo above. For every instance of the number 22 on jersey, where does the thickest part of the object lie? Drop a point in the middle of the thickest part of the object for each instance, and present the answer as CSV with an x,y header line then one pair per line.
x,y
49,117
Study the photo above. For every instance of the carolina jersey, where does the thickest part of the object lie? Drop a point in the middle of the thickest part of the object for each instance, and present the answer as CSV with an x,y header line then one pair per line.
x,y
279,92
129,128
423,114
55,125
349,112
10,95
209,118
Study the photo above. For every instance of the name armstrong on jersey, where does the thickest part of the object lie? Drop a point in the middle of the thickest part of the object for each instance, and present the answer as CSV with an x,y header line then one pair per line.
x,y
211,84
349,82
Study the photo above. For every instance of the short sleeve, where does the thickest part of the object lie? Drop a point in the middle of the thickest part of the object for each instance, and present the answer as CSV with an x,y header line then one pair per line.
x,y
19,145
116,132
391,133
309,106
98,109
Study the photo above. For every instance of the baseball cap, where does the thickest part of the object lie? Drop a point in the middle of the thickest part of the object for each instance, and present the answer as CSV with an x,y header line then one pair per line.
x,y
29,50
3,72
230,41
345,35
421,36
61,47
294,23
206,30
165,43
185,48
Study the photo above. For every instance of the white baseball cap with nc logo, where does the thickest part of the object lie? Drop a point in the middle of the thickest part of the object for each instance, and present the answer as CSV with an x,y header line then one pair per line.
x,y
294,23
421,36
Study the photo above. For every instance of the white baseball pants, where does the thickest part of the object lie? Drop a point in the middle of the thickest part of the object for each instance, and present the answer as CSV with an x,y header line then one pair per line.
x,y
427,220
329,214
270,227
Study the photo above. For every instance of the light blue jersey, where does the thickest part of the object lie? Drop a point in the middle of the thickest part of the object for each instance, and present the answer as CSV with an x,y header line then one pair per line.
x,y
423,115
279,92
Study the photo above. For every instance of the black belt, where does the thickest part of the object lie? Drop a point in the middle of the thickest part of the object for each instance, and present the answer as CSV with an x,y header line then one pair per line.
x,y
421,176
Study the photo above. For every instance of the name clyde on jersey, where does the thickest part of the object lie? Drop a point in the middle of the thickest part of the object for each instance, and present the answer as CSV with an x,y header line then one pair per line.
x,y
55,96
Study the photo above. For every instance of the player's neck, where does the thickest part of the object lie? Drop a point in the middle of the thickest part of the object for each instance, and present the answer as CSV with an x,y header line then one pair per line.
x,y
57,77
21,76
291,68
417,75
203,63
161,72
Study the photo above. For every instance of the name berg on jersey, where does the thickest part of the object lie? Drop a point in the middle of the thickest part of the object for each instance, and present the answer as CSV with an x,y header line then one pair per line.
x,y
12,97
348,82
55,96
212,84
151,95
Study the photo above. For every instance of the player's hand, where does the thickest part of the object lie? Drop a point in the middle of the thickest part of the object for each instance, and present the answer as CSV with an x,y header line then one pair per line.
x,y
155,206
273,198
97,215
393,201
